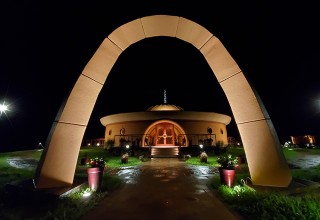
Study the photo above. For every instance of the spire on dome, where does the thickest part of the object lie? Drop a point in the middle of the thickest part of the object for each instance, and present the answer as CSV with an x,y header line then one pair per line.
x,y
165,106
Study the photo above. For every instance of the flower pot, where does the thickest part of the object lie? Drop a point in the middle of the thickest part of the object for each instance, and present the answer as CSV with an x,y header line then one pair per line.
x,y
95,178
227,176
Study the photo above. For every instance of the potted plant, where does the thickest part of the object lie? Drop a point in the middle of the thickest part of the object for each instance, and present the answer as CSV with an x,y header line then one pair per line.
x,y
95,172
228,163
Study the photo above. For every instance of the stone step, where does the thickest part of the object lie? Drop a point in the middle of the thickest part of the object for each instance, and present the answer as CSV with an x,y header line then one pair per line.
x,y
164,152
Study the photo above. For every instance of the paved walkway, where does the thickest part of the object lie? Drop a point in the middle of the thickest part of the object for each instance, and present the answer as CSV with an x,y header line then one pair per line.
x,y
304,161
164,188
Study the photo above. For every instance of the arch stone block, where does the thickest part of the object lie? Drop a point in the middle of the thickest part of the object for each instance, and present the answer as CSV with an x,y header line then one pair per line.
x,y
81,101
265,158
219,59
267,164
243,102
127,34
192,33
58,161
160,25
101,63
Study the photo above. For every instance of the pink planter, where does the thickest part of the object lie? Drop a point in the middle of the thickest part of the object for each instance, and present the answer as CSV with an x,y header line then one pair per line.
x,y
95,178
227,176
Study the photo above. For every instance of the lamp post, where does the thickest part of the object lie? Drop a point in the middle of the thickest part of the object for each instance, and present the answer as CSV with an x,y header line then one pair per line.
x,y
40,145
209,130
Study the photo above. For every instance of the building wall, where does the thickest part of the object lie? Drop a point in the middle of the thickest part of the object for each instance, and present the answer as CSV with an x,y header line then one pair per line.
x,y
219,131
131,128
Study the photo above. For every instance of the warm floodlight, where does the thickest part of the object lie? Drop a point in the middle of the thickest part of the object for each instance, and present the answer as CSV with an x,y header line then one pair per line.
x,y
201,146
127,146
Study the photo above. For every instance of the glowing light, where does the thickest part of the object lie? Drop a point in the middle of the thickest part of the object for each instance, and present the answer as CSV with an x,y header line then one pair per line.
x,y
3,108
86,193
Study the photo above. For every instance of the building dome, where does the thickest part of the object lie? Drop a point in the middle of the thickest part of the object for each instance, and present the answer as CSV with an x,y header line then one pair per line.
x,y
165,107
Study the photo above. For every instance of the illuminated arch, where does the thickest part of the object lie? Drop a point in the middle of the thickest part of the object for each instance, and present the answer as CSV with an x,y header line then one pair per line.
x,y
265,158
150,127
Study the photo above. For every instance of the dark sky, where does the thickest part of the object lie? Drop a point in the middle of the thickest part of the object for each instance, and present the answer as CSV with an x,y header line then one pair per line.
x,y
44,48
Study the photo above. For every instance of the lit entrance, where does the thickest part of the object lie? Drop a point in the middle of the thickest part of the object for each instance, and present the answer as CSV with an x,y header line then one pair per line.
x,y
165,134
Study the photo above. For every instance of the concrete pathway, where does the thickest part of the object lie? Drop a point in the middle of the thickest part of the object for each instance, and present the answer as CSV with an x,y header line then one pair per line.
x,y
304,161
164,188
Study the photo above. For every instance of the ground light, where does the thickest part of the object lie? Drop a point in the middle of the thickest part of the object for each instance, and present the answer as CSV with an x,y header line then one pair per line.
x,y
86,193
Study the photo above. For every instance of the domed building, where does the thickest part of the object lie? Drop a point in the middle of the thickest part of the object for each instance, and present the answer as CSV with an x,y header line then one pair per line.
x,y
166,127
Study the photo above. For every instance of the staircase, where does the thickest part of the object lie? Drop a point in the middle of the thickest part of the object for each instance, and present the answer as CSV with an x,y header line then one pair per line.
x,y
164,152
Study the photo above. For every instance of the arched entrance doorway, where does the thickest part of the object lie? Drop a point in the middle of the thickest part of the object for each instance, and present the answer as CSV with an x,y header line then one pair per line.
x,y
265,158
164,137
164,133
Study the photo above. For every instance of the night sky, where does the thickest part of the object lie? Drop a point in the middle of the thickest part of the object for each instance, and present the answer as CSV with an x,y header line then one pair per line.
x,y
44,49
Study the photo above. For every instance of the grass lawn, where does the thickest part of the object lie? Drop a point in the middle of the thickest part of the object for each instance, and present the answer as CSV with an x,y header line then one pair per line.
x,y
72,206
302,203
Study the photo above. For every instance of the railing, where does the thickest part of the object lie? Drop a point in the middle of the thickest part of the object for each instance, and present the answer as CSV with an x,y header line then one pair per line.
x,y
144,140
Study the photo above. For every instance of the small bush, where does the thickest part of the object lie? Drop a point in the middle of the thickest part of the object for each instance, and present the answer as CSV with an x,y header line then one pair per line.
x,y
125,158
203,157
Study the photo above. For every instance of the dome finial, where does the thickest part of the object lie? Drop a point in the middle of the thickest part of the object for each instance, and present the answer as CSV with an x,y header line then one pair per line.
x,y
165,97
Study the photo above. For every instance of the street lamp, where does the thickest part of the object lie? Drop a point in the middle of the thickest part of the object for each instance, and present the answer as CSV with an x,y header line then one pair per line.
x,y
3,108
40,145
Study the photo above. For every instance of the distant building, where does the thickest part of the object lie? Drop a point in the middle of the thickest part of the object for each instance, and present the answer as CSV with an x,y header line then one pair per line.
x,y
98,142
304,140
